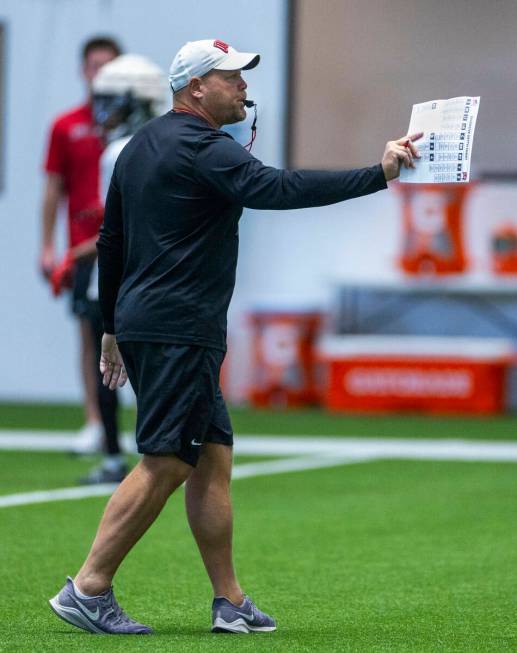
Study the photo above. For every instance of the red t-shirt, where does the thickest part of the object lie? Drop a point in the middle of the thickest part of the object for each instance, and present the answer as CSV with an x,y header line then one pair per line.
x,y
74,152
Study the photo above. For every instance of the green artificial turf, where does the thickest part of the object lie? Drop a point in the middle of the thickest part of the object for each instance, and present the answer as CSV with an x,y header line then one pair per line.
x,y
289,422
29,471
51,416
383,556
379,556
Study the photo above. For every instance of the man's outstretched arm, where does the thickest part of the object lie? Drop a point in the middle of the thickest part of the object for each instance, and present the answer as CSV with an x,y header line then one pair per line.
x,y
228,168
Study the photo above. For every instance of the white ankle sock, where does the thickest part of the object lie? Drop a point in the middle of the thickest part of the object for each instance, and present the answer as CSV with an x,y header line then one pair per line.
x,y
80,595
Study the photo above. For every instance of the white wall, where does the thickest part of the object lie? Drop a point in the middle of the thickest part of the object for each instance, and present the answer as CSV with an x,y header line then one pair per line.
x,y
38,344
286,257
382,56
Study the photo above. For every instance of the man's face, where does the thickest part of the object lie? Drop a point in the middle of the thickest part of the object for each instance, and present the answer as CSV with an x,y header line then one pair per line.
x,y
224,92
94,61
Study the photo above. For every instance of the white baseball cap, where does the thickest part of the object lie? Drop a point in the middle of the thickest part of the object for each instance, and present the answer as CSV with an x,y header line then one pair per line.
x,y
196,58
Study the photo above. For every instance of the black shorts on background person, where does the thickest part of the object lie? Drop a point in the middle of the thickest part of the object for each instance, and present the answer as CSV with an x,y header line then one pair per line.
x,y
113,467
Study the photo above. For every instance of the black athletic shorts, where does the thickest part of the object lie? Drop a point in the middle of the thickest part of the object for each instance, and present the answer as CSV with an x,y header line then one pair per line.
x,y
81,281
179,401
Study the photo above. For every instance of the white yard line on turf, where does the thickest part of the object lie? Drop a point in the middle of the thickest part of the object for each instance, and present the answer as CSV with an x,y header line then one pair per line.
x,y
247,470
386,448
239,471
62,494
305,453
270,445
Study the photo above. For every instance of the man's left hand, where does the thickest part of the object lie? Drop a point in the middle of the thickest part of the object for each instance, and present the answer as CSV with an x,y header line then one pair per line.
x,y
111,364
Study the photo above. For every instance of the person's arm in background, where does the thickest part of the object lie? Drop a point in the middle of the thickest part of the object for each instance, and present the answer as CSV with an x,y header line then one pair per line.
x,y
52,196
54,192
87,250
61,273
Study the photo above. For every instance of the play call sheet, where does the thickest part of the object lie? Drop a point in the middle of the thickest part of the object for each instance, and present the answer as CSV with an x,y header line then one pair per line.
x,y
446,145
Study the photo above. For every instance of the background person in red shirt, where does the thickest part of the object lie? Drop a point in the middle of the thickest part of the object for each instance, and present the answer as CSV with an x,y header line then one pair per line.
x,y
72,167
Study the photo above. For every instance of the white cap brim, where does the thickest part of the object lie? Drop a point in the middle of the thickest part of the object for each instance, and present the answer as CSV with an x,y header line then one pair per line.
x,y
239,61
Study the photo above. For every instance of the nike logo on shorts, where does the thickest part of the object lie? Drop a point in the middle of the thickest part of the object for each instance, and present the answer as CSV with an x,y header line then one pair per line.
x,y
195,443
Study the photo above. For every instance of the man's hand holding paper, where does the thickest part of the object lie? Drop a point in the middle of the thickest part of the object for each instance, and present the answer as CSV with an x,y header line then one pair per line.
x,y
448,127
400,153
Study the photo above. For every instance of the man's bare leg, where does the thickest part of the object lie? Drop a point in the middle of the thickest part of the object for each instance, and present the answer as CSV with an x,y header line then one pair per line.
x,y
133,507
209,511
89,372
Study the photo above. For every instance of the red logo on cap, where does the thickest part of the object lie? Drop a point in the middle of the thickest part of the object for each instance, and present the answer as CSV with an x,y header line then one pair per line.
x,y
222,46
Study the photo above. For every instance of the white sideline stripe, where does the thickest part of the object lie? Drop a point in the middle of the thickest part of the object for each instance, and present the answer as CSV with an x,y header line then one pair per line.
x,y
62,494
40,440
239,471
424,449
305,453
268,467
462,450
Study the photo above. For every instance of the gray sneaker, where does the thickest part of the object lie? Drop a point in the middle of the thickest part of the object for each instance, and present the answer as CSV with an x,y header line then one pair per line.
x,y
98,614
101,474
247,618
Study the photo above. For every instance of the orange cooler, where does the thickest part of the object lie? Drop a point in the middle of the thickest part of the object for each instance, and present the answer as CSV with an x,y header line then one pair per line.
x,y
284,357
415,373
433,228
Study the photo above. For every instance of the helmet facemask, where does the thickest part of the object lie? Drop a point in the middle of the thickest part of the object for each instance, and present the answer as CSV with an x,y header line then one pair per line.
x,y
120,115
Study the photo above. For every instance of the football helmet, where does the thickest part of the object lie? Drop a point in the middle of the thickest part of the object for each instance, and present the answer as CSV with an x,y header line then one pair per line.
x,y
127,92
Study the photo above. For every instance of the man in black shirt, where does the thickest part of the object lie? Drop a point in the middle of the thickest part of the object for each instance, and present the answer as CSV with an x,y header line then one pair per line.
x,y
167,260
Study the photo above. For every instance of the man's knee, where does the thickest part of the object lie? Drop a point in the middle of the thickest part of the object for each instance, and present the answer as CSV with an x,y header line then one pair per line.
x,y
166,469
220,455
215,464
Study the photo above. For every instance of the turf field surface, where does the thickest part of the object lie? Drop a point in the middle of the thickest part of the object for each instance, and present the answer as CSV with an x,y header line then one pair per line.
x,y
378,556
288,422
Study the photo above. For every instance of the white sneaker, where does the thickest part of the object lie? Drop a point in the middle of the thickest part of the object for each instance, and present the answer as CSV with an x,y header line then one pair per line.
x,y
90,439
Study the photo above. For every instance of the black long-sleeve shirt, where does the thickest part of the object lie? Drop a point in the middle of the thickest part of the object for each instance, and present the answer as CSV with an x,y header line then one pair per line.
x,y
168,246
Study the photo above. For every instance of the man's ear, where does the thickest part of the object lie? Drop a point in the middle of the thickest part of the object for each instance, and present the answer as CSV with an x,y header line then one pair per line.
x,y
194,87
